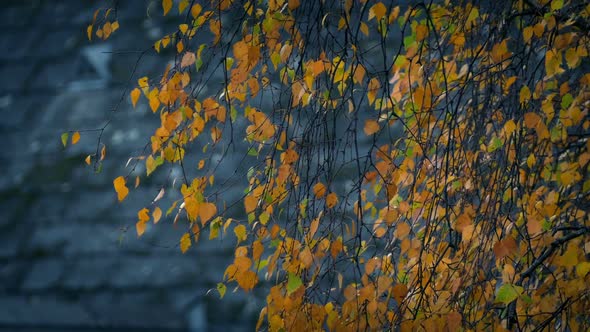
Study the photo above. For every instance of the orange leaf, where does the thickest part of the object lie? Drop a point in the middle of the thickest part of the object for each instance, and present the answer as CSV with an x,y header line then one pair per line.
x,y
76,137
242,263
331,200
157,214
257,250
120,188
505,247
531,119
289,156
359,74
247,280
166,5
399,292
140,228
319,190
135,96
143,215
206,212
378,10
402,230
371,127
250,203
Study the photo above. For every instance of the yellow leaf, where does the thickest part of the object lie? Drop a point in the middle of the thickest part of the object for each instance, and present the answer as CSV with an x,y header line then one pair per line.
x,y
64,138
140,228
371,127
179,47
365,29
88,159
120,188
135,96
500,52
103,152
527,34
150,165
76,137
192,207
531,160
166,5
196,10
154,100
552,63
144,85
157,214
215,134
136,181
582,269
572,58
206,212
240,232
89,32
331,200
319,190
185,242
509,128
556,4
378,10
187,59
525,94
182,6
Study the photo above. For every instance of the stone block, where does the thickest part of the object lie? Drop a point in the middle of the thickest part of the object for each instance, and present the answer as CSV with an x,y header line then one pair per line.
x,y
42,312
13,76
44,274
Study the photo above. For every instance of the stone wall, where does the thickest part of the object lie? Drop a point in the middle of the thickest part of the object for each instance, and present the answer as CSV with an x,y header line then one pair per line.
x,y
69,255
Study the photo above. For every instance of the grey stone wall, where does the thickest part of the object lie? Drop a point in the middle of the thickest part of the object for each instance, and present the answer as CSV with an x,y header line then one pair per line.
x,y
69,255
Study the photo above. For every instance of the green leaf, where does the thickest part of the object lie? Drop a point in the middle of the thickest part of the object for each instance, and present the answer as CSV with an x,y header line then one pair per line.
x,y
233,114
566,101
64,138
556,4
293,283
508,293
221,288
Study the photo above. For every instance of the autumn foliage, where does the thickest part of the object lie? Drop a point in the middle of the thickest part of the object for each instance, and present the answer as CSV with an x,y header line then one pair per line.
x,y
420,167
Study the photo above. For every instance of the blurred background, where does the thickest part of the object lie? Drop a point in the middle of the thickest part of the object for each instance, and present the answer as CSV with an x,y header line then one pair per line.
x,y
70,259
